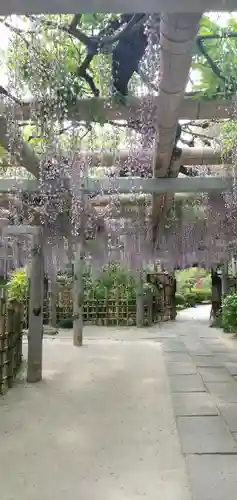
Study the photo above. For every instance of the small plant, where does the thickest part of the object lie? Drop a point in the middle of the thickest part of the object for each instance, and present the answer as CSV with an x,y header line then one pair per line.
x,y
18,286
229,313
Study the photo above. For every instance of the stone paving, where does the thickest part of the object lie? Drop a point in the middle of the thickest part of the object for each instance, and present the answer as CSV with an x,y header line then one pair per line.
x,y
202,369
133,414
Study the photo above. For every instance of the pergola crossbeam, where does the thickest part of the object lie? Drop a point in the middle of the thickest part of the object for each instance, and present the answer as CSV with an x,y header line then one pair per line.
x,y
143,158
144,109
74,6
18,230
131,185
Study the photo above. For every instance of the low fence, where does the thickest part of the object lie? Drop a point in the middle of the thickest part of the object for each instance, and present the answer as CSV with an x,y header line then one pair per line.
x,y
119,310
116,309
10,342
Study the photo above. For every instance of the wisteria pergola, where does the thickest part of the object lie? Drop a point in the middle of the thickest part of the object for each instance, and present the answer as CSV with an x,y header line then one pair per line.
x,y
178,29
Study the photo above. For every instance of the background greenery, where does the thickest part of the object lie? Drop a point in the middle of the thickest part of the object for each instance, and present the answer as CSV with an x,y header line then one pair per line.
x,y
115,282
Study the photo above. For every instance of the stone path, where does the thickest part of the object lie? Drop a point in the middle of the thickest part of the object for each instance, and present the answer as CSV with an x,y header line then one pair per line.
x,y
202,368
133,414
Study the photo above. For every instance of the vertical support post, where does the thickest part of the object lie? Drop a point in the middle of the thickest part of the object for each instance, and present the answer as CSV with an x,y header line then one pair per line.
x,y
78,296
78,285
53,293
70,252
224,279
139,289
53,302
35,336
139,301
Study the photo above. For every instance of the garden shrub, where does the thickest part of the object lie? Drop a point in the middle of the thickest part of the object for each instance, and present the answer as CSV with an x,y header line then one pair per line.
x,y
180,300
229,313
18,286
190,299
202,295
194,277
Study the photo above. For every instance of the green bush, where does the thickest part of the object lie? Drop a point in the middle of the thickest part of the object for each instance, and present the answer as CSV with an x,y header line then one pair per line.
x,y
188,278
202,295
18,286
180,300
229,313
190,299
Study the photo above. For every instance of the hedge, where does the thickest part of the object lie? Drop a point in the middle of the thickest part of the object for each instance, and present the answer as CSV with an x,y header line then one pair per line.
x,y
194,297
229,313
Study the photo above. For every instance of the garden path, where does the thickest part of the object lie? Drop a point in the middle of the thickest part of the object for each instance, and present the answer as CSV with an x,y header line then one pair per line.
x,y
133,414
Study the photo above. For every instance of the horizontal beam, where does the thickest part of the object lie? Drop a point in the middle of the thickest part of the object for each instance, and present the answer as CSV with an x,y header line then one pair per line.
x,y
136,185
9,185
130,202
145,109
20,230
143,158
75,6
130,185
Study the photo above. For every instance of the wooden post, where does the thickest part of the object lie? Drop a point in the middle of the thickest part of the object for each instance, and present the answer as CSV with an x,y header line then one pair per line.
x,y
53,302
70,252
78,285
53,293
78,296
139,289
139,301
224,279
35,336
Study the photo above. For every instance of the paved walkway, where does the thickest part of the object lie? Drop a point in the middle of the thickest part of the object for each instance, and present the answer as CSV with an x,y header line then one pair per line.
x,y
133,414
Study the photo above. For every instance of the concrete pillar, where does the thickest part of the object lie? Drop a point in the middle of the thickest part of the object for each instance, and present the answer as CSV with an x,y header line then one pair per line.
x,y
35,336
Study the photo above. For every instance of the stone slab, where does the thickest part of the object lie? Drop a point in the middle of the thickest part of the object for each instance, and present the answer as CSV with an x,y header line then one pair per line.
x,y
198,349
173,345
229,412
219,348
181,368
186,383
231,367
183,357
224,392
193,404
207,361
205,435
213,477
210,335
211,374
227,357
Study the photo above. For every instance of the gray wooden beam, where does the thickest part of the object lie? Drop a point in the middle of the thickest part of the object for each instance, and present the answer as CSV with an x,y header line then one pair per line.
x,y
130,185
22,229
136,185
35,335
9,185
75,6
102,110
143,158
